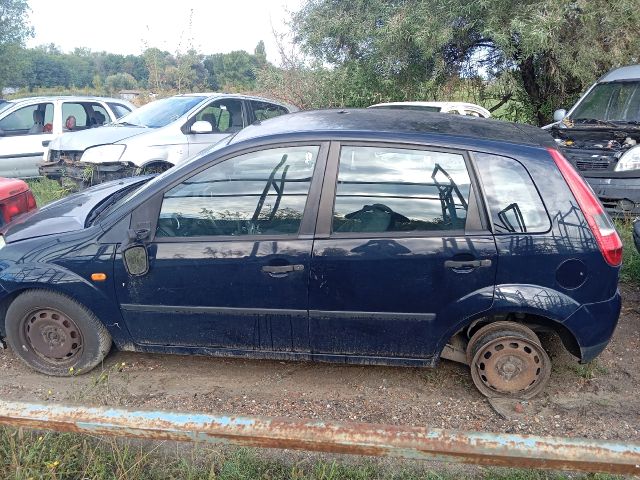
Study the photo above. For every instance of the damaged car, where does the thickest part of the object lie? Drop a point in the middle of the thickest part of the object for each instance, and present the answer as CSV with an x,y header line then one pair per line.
x,y
356,236
600,136
155,137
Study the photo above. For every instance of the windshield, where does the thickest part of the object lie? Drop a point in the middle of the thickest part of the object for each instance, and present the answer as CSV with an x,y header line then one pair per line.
x,y
610,102
161,112
4,105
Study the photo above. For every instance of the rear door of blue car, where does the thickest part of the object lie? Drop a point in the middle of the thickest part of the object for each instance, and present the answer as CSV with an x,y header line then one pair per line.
x,y
402,252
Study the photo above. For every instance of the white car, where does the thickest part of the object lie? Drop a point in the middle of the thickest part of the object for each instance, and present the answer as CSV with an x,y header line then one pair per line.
x,y
156,136
27,125
457,108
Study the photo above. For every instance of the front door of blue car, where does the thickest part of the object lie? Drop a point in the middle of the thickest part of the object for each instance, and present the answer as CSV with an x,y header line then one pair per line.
x,y
229,263
402,254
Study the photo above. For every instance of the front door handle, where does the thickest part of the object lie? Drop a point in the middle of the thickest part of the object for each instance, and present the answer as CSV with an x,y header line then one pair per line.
x,y
466,264
279,269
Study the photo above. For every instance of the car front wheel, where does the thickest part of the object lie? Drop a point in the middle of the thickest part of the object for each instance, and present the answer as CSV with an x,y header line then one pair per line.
x,y
54,334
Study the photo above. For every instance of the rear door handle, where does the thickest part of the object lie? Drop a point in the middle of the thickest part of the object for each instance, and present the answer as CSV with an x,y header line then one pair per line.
x,y
455,264
282,268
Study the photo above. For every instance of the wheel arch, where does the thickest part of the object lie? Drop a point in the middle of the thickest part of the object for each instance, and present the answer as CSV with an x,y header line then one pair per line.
x,y
23,277
539,308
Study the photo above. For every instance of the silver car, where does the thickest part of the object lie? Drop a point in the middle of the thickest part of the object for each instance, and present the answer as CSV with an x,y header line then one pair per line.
x,y
155,137
28,125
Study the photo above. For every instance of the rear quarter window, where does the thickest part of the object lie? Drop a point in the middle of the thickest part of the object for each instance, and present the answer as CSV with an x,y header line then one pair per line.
x,y
513,200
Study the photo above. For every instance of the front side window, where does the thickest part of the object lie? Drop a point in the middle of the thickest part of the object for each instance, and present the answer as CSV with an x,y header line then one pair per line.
x,y
400,190
223,115
259,193
514,201
30,120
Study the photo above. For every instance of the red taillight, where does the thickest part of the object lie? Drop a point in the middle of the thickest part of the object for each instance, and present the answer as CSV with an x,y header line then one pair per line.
x,y
14,206
601,225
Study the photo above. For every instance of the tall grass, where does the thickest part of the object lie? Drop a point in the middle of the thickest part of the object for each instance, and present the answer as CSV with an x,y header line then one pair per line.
x,y
26,454
46,191
630,271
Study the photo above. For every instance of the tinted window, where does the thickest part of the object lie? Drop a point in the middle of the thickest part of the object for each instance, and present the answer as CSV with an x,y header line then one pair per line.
x,y
514,202
30,120
265,110
400,190
259,193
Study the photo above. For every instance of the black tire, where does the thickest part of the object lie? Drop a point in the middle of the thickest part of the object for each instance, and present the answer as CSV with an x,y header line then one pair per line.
x,y
54,334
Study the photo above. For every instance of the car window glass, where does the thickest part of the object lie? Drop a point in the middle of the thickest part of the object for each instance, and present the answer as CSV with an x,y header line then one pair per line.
x,y
161,112
98,115
514,202
25,120
223,115
76,111
400,190
259,193
118,109
613,101
265,110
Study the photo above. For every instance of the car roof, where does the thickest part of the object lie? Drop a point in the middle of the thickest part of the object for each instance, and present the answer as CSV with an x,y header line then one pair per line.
x,y
239,95
77,98
429,104
629,72
368,122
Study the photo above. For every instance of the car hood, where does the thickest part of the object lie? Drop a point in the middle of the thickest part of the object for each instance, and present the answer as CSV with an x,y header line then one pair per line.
x,y
65,215
80,141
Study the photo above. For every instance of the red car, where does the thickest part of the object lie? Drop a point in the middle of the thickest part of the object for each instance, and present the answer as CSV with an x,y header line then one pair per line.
x,y
15,198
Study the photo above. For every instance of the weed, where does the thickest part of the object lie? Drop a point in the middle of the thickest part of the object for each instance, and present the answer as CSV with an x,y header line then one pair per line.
x,y
630,271
590,370
46,190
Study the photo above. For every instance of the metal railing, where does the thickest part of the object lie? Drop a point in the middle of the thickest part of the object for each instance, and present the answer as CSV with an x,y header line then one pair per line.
x,y
526,451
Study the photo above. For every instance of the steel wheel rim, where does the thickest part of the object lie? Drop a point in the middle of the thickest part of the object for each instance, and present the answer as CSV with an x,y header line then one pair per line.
x,y
511,366
511,327
52,335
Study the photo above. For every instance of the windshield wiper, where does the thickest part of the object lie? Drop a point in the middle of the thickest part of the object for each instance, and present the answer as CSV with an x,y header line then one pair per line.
x,y
593,120
129,124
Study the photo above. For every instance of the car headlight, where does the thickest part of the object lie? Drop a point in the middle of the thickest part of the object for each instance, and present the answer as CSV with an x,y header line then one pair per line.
x,y
103,154
630,160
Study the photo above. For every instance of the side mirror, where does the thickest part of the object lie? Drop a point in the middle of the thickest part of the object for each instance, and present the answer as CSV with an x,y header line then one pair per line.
x,y
559,115
136,260
201,127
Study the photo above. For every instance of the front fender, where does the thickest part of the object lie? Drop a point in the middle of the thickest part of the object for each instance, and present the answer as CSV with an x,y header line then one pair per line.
x,y
95,296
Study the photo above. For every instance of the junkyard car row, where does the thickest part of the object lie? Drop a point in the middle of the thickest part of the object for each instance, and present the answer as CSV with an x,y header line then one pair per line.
x,y
353,236
29,124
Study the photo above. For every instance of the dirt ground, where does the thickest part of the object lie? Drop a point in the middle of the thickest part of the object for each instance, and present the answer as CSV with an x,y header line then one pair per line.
x,y
601,400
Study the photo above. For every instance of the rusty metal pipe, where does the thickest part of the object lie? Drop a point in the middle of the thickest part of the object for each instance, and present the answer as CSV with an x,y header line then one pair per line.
x,y
420,443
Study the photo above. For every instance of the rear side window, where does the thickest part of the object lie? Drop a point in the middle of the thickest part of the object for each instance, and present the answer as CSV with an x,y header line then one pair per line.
x,y
400,190
514,202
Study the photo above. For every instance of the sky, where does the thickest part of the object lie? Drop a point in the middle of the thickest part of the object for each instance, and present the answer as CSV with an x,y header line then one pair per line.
x,y
128,27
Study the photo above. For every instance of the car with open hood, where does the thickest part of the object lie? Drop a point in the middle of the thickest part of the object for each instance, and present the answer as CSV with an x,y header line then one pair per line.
x,y
359,236
600,136
155,137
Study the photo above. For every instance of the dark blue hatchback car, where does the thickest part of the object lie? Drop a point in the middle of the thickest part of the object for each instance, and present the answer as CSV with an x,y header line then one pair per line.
x,y
353,236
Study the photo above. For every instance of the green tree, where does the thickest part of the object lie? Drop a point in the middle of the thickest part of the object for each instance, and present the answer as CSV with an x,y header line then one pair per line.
x,y
120,81
14,30
542,53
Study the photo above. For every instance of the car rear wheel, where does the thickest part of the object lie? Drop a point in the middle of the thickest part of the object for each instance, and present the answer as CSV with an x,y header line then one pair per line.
x,y
508,362
54,334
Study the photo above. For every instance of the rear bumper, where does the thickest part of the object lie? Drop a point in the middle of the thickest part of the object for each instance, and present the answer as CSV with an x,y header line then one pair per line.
x,y
620,196
593,325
